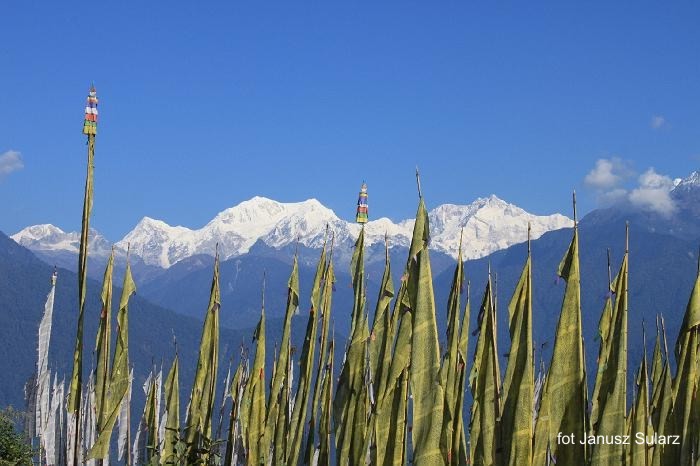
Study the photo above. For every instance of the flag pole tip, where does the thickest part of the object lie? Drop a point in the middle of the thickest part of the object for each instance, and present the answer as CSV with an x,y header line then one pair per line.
x,y
529,230
420,191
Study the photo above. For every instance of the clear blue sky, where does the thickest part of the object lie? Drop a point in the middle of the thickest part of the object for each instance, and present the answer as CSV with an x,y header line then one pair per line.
x,y
205,104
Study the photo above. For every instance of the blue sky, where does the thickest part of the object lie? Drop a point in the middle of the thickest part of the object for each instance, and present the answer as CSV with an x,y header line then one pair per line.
x,y
205,104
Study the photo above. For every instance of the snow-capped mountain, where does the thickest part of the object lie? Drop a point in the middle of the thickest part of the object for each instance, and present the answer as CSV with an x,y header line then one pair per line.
x,y
692,182
489,224
49,238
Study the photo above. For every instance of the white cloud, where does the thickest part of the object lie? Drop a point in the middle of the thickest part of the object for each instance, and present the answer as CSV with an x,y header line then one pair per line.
x,y
657,121
610,181
614,196
10,161
654,193
608,174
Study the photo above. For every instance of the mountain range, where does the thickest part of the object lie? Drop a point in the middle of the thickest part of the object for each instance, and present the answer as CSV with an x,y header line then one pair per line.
x,y
172,264
489,224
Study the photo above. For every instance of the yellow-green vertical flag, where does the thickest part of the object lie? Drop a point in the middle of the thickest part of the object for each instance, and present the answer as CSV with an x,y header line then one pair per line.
x,y
326,308
657,365
426,390
604,325
76,382
172,413
390,425
685,409
199,415
324,430
308,356
277,407
284,414
326,301
519,383
102,348
350,407
459,440
610,390
450,370
151,417
641,425
662,410
380,341
237,387
628,448
119,378
392,398
254,401
320,295
381,337
563,405
485,383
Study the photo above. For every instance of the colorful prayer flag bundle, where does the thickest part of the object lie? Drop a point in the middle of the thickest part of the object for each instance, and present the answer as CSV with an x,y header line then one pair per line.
x,y
90,123
362,212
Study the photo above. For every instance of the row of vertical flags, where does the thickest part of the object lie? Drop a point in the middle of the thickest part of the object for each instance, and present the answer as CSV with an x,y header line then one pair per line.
x,y
399,397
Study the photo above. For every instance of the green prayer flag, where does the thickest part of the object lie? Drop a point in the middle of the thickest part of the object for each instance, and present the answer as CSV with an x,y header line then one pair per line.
x,y
661,418
686,411
172,413
610,389
254,401
102,348
151,418
381,336
237,386
657,365
326,301
564,399
301,400
519,383
484,432
351,404
283,415
324,449
380,341
199,415
640,453
450,369
119,378
459,440
426,388
392,397
279,391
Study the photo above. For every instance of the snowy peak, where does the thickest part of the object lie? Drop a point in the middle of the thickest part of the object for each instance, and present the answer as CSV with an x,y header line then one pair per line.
x,y
489,224
253,211
36,233
155,239
688,183
47,237
235,230
306,221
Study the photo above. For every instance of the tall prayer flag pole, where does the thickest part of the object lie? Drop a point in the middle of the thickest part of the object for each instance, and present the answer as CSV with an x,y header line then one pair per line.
x,y
90,130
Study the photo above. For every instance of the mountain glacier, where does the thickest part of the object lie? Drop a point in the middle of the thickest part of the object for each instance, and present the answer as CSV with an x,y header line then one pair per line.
x,y
489,224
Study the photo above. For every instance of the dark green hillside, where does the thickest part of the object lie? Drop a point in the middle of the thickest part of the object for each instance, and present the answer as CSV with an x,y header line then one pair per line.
x,y
24,283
